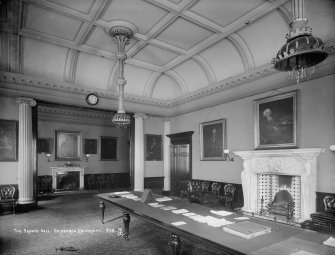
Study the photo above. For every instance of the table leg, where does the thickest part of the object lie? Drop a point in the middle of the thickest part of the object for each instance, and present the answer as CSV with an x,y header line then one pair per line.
x,y
126,221
102,210
175,244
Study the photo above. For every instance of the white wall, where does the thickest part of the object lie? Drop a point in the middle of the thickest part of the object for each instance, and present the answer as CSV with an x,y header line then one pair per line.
x,y
316,120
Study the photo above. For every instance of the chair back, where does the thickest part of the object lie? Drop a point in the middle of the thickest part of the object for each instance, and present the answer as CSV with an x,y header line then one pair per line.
x,y
196,186
329,203
7,192
205,186
229,190
216,188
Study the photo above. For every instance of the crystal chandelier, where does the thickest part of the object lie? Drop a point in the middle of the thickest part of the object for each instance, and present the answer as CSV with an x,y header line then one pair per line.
x,y
302,50
121,34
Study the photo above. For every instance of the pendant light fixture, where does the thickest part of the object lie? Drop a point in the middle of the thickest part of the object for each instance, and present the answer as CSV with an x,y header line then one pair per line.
x,y
302,50
121,32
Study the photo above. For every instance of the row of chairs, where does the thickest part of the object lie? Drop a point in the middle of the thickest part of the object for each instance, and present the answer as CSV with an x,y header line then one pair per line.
x,y
207,192
99,181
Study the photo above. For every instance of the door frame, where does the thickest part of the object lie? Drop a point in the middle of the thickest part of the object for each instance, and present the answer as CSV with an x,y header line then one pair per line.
x,y
183,138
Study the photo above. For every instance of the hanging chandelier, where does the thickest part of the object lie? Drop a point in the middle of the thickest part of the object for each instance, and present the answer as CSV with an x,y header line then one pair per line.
x,y
302,50
121,33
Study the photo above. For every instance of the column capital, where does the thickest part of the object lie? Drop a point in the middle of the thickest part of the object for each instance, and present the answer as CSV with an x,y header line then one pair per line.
x,y
166,119
140,115
26,100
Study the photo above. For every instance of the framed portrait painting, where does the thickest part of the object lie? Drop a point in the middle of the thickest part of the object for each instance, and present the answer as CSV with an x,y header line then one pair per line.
x,y
153,147
213,140
8,140
276,121
109,147
68,145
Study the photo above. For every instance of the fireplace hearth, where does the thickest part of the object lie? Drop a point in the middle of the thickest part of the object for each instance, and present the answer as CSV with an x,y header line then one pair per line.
x,y
68,180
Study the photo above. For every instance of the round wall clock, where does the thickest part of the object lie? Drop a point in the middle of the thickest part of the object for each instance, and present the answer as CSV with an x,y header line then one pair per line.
x,y
92,99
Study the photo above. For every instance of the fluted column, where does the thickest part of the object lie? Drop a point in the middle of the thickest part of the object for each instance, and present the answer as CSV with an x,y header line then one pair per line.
x,y
139,152
25,167
166,150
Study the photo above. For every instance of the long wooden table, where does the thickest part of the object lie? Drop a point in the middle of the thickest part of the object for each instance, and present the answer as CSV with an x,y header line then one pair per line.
x,y
283,239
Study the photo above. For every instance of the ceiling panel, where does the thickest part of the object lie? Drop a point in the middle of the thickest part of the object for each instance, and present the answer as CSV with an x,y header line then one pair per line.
x,y
155,55
37,56
184,34
224,12
224,59
136,78
138,12
51,23
262,41
192,74
81,6
93,71
98,38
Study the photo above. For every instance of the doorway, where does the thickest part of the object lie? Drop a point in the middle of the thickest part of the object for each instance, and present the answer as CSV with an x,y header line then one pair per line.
x,y
180,161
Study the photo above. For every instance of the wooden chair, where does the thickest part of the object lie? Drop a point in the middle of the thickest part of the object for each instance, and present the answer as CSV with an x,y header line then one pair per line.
x,y
7,196
196,194
228,197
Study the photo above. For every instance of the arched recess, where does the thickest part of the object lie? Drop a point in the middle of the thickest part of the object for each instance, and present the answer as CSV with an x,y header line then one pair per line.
x,y
207,69
149,88
180,81
243,51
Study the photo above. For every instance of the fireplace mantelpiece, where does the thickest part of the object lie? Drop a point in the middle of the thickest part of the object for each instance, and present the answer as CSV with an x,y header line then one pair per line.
x,y
298,162
56,170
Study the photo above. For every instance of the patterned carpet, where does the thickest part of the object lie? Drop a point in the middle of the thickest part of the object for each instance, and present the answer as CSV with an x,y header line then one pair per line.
x,y
71,225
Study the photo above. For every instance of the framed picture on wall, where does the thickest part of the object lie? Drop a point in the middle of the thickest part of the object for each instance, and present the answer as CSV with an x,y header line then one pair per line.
x,y
90,146
109,147
8,140
276,121
213,140
44,145
68,145
153,147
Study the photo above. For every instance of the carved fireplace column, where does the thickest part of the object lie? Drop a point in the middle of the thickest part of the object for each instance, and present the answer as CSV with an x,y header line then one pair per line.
x,y
166,151
139,152
25,167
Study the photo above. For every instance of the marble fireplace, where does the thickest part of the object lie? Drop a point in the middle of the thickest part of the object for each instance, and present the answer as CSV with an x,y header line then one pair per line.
x,y
266,172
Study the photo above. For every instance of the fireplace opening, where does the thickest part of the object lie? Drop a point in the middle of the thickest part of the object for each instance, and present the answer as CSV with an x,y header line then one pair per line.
x,y
68,180
282,204
284,181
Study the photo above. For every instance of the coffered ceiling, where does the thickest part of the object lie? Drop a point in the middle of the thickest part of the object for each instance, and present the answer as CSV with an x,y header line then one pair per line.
x,y
181,52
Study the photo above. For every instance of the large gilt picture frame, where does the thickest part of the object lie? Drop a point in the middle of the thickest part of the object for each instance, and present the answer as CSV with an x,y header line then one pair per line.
x,y
213,140
68,145
8,140
276,121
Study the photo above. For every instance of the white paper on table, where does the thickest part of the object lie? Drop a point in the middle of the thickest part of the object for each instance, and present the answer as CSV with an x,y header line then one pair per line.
x,y
221,213
189,214
157,206
180,211
136,198
166,208
153,204
178,223
219,223
120,193
162,199
330,241
241,218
